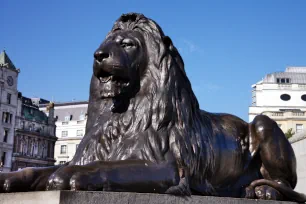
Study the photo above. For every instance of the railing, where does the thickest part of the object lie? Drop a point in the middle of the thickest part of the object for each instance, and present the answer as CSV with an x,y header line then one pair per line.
x,y
302,86
277,114
285,86
286,114
298,114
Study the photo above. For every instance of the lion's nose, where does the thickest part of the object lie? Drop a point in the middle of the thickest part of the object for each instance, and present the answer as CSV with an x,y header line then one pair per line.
x,y
100,55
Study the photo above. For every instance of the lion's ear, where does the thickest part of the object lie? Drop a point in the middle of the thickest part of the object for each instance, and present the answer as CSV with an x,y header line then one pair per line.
x,y
168,42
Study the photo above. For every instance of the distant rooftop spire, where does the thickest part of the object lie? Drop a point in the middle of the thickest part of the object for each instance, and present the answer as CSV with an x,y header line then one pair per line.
x,y
5,60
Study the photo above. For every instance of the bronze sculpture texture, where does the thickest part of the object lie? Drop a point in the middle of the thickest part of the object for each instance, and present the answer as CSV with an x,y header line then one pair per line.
x,y
146,133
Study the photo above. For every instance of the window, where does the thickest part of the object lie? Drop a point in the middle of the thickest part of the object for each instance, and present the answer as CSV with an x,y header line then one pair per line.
x,y
64,133
62,162
22,124
3,159
285,97
64,123
8,97
68,117
79,132
5,135
82,117
63,149
283,80
299,128
80,122
303,97
7,117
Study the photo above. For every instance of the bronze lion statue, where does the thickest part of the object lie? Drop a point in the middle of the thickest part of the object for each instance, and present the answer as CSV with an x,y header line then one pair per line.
x,y
146,133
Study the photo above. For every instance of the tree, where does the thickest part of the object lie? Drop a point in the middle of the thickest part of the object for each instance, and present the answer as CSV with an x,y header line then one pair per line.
x,y
289,133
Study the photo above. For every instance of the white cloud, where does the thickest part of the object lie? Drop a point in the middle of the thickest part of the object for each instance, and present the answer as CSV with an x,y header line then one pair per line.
x,y
190,46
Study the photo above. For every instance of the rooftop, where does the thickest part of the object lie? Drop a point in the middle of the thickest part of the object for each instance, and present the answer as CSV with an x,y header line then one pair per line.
x,y
31,111
70,113
6,61
292,75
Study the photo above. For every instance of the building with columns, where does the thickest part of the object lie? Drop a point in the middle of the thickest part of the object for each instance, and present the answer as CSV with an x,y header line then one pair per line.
x,y
71,118
282,96
34,134
8,109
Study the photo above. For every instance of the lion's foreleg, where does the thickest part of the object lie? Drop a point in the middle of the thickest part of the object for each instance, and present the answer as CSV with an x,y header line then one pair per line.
x,y
28,179
132,176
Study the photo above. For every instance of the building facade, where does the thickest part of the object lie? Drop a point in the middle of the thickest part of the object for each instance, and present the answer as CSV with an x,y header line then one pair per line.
x,y
8,109
282,96
71,118
298,142
35,138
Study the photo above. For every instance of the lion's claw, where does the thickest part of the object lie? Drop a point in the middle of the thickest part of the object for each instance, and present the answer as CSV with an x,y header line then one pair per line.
x,y
182,189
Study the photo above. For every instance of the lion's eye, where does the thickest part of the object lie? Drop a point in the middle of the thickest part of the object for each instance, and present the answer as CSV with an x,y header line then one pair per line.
x,y
127,43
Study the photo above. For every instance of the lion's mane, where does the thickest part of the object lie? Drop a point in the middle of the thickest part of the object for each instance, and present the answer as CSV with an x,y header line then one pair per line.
x,y
164,114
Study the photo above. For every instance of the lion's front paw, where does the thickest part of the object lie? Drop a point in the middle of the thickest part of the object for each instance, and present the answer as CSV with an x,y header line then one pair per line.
x,y
249,193
263,192
267,193
58,182
13,182
93,181
60,179
182,189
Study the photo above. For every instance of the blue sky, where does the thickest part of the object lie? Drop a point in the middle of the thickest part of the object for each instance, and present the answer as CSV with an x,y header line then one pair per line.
x,y
227,45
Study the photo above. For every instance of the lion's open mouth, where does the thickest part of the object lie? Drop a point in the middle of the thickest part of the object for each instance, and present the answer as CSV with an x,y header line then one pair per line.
x,y
112,85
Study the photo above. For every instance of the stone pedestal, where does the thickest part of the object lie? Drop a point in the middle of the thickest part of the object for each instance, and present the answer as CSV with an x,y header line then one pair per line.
x,y
88,197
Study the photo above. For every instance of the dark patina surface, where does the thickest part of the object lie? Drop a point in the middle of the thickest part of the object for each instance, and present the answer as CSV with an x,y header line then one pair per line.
x,y
146,133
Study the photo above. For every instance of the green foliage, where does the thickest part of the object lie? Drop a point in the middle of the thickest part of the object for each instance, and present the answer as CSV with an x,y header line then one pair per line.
x,y
289,133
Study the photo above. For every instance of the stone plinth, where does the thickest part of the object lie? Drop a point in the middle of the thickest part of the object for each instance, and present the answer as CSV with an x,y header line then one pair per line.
x,y
87,197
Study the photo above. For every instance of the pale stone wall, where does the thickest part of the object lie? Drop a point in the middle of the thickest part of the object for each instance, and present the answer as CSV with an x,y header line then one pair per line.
x,y
299,146
6,147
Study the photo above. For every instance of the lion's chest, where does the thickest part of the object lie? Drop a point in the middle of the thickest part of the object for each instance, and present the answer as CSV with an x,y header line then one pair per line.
x,y
129,148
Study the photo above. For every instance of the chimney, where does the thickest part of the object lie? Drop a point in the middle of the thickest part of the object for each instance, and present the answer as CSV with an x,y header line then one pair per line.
x,y
50,109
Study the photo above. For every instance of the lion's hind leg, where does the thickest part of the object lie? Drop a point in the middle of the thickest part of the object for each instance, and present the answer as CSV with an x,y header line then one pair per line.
x,y
278,163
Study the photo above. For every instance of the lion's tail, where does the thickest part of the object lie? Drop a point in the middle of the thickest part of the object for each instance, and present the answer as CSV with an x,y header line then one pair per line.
x,y
285,190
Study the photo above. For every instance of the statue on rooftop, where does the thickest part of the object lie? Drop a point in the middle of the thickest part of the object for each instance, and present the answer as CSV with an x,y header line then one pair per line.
x,y
145,131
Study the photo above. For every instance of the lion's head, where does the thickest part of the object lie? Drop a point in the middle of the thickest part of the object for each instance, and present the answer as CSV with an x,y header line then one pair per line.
x,y
140,91
131,53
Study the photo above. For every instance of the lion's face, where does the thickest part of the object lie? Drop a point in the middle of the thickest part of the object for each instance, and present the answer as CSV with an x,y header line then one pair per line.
x,y
118,64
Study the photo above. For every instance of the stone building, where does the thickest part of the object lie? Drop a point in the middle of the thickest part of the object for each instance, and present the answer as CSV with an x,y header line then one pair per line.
x,y
282,96
71,118
34,134
8,108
